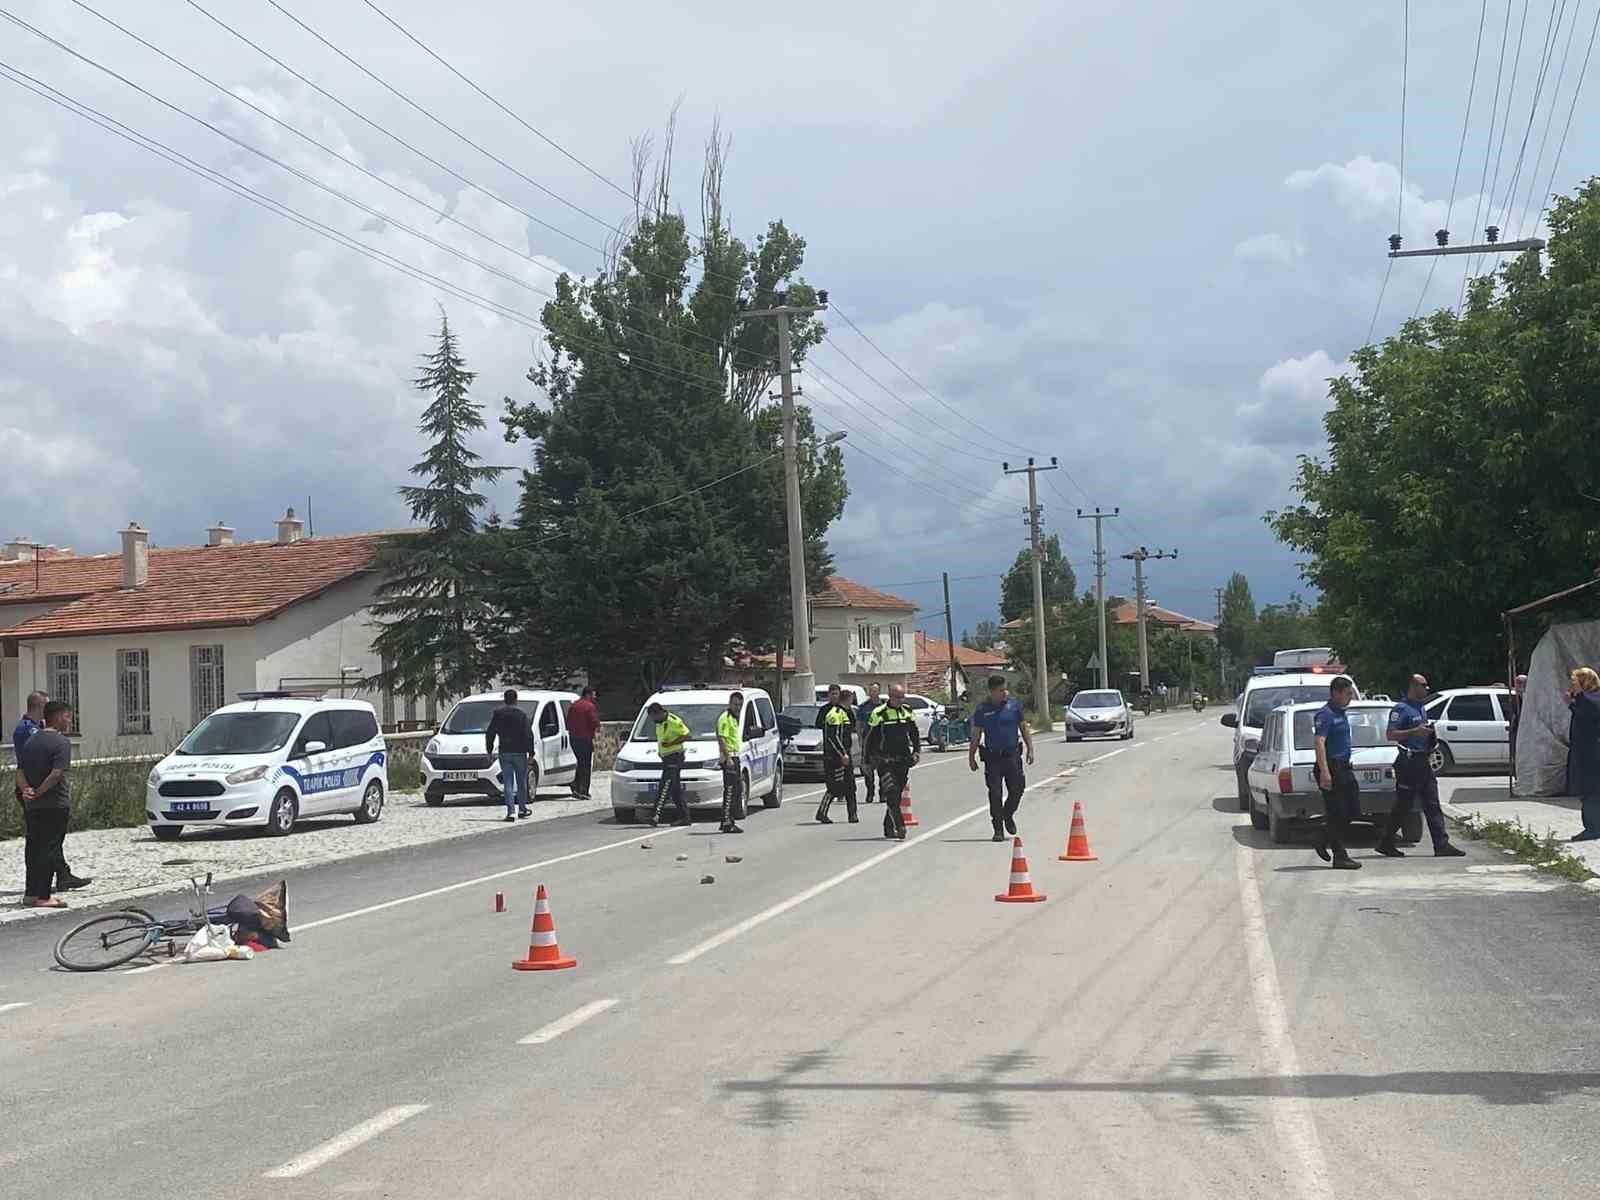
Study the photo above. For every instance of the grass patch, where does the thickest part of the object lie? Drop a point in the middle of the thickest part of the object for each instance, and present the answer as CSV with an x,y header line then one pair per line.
x,y
104,796
1545,853
405,766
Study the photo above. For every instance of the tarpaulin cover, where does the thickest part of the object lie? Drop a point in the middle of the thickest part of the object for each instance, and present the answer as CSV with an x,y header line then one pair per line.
x,y
1542,728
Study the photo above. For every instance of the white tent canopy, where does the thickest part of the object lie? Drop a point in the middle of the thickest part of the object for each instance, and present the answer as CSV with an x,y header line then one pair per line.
x,y
1542,728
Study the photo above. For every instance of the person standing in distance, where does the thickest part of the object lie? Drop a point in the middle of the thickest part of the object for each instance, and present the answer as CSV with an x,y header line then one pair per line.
x,y
893,743
864,712
838,725
30,723
1583,749
1340,791
730,744
999,733
583,722
47,802
1410,728
514,728
672,735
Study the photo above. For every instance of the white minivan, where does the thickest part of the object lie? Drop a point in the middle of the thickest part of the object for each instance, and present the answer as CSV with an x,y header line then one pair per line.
x,y
456,760
636,773
269,760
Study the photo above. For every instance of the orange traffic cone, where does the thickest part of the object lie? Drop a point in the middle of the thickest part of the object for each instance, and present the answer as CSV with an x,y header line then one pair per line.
x,y
1021,889
905,806
1078,839
543,953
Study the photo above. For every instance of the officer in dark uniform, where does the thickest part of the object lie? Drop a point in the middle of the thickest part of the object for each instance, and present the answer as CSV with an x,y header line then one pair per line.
x,y
838,724
1341,794
894,744
1000,734
864,711
1413,774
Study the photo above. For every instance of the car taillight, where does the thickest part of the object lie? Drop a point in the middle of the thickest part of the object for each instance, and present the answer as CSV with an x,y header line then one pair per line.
x,y
1286,781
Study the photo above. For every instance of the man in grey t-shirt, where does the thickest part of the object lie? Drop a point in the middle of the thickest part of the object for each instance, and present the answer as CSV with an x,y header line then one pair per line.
x,y
44,767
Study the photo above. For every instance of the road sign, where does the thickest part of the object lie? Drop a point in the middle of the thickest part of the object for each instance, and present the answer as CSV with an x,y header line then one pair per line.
x,y
1094,662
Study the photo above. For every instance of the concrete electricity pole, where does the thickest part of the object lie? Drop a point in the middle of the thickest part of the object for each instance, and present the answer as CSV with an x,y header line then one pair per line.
x,y
1041,687
950,636
1140,557
803,683
1222,669
1099,518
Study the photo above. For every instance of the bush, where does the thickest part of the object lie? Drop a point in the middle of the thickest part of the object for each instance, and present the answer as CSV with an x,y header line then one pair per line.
x,y
104,796
405,766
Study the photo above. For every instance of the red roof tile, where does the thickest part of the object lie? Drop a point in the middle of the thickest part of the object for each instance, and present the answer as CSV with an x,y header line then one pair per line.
x,y
1127,614
189,588
938,650
846,593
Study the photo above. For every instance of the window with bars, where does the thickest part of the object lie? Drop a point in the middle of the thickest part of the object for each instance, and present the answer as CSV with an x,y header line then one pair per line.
x,y
207,690
133,692
61,681
863,636
895,644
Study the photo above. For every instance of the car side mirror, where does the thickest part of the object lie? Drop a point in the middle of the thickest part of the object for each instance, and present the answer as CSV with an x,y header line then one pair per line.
x,y
1230,720
315,747
1251,745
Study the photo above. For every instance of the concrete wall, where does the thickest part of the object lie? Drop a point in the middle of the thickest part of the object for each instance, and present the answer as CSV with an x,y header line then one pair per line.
x,y
314,639
835,655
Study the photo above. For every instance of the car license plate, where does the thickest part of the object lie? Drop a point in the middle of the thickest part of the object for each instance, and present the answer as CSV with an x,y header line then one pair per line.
x,y
191,806
1371,778
460,776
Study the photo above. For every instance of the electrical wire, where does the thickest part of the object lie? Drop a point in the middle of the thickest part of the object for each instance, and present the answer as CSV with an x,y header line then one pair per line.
x,y
1505,124
1571,108
875,411
1400,202
1488,148
1555,102
1552,27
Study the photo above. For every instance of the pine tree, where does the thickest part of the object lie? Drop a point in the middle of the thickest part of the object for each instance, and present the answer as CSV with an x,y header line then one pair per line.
x,y
434,606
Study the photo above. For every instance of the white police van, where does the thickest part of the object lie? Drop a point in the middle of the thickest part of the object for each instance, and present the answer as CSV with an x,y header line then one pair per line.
x,y
636,773
269,760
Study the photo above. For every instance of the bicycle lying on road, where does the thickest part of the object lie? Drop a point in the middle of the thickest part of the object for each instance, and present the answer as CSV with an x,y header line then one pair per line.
x,y
115,938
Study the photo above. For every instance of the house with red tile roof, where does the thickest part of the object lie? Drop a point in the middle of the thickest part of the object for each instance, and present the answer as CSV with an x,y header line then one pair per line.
x,y
147,642
933,676
861,635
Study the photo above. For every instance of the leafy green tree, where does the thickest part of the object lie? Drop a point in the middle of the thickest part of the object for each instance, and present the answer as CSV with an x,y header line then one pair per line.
x,y
1060,585
435,612
650,534
1238,628
986,635
1461,458
1283,627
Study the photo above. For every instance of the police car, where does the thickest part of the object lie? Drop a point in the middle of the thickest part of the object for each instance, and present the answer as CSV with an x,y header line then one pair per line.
x,y
269,760
636,772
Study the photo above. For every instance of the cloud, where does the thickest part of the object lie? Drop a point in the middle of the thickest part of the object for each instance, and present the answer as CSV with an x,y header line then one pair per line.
x,y
1291,402
1271,248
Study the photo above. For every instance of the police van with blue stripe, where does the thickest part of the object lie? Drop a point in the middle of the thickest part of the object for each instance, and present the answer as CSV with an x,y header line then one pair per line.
x,y
269,760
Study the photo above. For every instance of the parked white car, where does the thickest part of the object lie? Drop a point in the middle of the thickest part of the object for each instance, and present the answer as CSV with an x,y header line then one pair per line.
x,y
922,711
1282,772
269,760
636,773
1473,727
1098,712
456,762
1267,689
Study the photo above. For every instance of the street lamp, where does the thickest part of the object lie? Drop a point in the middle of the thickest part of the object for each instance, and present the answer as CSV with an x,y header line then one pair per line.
x,y
834,438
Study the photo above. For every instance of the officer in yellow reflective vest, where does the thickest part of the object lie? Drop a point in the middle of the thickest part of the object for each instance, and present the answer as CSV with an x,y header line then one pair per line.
x,y
838,725
893,743
672,735
729,745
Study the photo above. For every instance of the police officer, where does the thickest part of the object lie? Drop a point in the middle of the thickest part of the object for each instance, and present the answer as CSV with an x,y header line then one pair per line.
x,y
672,735
1413,774
999,733
1340,791
893,744
838,726
729,745
864,712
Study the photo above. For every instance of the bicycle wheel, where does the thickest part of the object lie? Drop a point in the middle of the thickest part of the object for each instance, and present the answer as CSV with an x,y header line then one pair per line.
x,y
107,941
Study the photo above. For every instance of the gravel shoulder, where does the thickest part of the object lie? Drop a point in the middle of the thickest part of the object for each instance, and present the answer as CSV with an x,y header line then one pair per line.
x,y
128,863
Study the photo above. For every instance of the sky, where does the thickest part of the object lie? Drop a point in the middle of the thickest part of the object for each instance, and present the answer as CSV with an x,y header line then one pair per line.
x,y
1139,241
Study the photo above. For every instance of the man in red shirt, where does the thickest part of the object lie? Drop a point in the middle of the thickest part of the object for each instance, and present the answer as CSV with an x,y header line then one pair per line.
x,y
583,722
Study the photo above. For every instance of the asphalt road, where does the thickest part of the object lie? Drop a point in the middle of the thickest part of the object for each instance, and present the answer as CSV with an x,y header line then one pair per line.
x,y
1198,1013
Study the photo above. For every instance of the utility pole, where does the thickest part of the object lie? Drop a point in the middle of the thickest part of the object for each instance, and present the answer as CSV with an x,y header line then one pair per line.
x,y
1099,518
1222,668
950,636
1041,687
1140,557
803,682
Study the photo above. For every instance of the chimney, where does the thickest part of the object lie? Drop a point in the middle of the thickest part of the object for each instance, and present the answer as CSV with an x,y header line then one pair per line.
x,y
290,528
220,535
135,556
20,549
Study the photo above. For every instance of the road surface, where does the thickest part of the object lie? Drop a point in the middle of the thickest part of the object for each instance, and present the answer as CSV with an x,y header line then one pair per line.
x,y
1198,1013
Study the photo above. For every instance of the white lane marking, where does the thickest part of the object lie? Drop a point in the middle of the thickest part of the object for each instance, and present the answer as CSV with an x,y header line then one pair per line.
x,y
12,1007
1103,757
815,890
1297,1131
566,1024
346,1141
155,966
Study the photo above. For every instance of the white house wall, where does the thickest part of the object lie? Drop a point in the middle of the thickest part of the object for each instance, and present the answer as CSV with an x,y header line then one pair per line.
x,y
314,639
835,655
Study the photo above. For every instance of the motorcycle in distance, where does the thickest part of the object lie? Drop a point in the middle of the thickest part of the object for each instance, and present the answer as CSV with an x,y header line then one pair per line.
x,y
1198,701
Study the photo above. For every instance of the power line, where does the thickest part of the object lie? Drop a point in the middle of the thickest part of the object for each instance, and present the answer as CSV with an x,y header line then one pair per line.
x,y
1555,100
964,451
1552,27
1400,202
1505,124
1488,147
1571,108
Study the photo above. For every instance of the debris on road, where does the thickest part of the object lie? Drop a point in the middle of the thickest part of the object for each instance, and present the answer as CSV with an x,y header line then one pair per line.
x,y
733,858
647,845
708,879
683,858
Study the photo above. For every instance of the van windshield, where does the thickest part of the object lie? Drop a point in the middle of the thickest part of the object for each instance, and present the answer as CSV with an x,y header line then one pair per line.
x,y
472,716
700,718
1263,700
240,733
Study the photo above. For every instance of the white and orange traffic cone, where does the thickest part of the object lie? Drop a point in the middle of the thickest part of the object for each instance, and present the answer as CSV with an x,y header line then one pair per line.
x,y
1021,889
905,806
543,952
1078,839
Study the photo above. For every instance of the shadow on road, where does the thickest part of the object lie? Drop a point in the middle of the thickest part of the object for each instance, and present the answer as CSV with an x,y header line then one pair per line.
x,y
1225,804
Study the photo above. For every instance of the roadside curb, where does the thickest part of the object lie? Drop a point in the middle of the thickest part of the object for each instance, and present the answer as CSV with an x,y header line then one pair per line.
x,y
1464,817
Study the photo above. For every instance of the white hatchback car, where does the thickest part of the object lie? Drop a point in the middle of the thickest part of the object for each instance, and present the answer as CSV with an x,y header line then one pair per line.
x,y
1099,712
456,761
636,773
269,760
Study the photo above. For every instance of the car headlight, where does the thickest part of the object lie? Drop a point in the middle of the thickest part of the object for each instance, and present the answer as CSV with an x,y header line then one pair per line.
x,y
155,775
624,764
432,747
248,775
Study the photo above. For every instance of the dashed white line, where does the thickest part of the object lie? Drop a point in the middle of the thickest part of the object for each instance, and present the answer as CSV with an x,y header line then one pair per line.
x,y
346,1141
1103,757
14,1005
815,890
568,1023
1297,1131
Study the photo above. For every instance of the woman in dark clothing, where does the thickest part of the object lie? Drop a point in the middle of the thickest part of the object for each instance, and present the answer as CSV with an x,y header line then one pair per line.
x,y
1583,749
